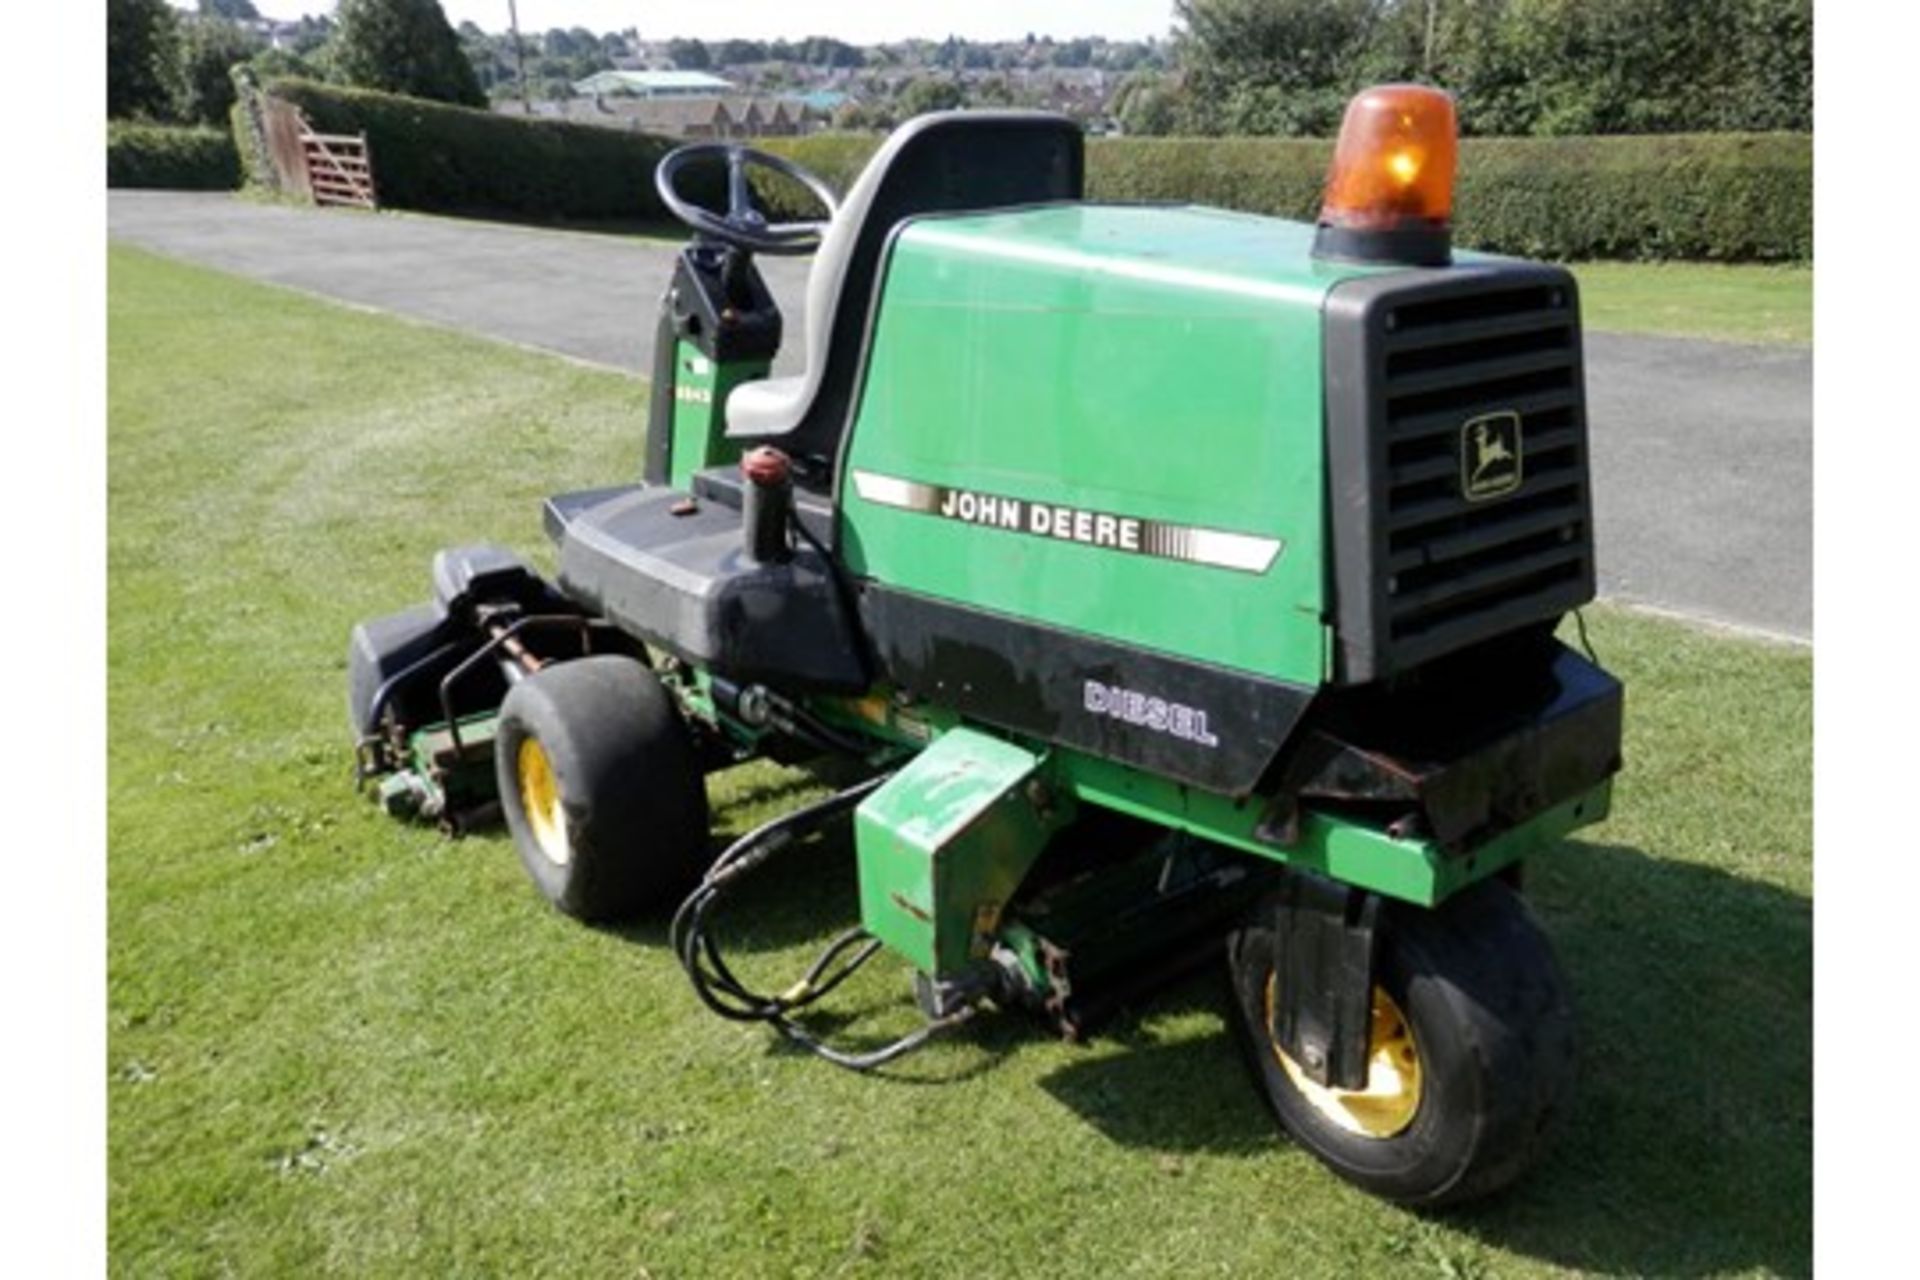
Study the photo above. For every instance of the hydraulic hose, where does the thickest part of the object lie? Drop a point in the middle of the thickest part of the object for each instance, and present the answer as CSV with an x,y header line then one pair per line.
x,y
721,991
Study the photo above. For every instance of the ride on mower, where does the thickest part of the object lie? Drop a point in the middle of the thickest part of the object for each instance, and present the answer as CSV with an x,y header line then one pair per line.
x,y
1183,583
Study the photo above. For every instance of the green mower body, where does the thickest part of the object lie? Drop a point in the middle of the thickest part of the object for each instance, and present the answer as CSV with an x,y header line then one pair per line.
x,y
1169,571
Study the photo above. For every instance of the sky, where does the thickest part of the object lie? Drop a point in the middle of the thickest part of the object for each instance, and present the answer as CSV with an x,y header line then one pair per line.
x,y
859,23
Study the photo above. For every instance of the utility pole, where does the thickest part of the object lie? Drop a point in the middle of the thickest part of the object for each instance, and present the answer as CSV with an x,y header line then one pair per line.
x,y
1426,54
519,55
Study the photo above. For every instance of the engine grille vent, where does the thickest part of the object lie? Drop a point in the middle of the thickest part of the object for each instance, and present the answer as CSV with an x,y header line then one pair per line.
x,y
1457,452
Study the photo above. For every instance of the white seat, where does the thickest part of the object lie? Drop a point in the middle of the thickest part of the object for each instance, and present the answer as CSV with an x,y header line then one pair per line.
x,y
774,407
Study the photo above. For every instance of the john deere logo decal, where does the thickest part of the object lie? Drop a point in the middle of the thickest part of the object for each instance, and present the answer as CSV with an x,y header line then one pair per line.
x,y
1114,531
1490,456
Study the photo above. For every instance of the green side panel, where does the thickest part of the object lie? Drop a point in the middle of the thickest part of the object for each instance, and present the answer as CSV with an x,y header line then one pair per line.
x,y
700,391
944,844
1412,870
1156,364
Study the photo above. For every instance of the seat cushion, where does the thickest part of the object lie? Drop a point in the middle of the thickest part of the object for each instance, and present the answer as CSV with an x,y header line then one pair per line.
x,y
943,162
766,406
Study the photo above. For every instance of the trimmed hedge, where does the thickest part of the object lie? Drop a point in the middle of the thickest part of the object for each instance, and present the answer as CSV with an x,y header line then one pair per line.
x,y
1714,197
1701,197
157,155
432,156
1705,197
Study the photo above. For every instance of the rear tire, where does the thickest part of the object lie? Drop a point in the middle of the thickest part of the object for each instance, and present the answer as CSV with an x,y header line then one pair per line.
x,y
600,788
1473,1045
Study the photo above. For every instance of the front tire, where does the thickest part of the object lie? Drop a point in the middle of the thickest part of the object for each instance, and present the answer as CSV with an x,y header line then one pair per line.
x,y
601,790
1471,1055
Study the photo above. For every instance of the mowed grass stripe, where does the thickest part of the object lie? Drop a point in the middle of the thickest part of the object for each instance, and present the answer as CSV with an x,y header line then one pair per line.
x,y
1731,302
344,1046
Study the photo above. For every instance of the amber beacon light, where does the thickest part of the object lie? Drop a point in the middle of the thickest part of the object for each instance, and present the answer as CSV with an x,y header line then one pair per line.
x,y
1390,191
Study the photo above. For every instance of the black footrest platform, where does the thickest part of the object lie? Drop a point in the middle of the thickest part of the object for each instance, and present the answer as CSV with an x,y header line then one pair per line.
x,y
673,571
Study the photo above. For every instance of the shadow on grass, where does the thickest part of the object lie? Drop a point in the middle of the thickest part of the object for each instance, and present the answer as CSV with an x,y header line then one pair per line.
x,y
972,1049
1187,1096
1689,1148
803,895
805,892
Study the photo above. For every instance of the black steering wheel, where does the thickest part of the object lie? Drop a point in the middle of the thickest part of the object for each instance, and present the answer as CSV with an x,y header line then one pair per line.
x,y
743,225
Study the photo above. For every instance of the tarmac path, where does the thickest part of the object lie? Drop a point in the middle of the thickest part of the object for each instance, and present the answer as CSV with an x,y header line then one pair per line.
x,y
1702,450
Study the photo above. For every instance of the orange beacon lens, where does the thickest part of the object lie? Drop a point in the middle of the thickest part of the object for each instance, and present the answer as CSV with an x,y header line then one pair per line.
x,y
1390,191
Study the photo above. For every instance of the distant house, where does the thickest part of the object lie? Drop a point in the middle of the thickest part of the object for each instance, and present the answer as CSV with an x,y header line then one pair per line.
x,y
654,84
694,119
825,101
767,118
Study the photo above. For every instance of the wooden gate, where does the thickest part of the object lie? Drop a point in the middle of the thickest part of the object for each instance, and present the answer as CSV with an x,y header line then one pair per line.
x,y
327,168
339,167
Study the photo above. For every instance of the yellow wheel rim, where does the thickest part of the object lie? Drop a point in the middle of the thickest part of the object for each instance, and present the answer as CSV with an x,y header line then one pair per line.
x,y
540,799
1387,1104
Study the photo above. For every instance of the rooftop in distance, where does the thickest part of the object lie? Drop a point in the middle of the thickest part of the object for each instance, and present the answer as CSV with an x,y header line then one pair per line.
x,y
655,84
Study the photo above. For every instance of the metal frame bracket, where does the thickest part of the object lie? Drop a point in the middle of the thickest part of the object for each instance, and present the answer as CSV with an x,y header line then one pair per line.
x,y
1323,954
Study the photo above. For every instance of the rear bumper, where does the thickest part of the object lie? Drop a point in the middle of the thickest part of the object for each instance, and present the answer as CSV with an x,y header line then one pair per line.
x,y
1453,802
1421,872
1461,763
1417,798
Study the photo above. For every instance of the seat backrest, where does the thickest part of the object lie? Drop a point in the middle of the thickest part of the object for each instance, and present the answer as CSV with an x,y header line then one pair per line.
x,y
945,162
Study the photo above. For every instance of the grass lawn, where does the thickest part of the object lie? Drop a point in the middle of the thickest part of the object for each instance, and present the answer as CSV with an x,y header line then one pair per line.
x,y
337,1045
1745,303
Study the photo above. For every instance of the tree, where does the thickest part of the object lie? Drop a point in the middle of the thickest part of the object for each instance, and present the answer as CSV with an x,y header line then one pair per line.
x,y
1074,53
1273,66
931,94
208,52
143,68
1473,53
824,51
403,46
491,57
1514,66
272,64
1775,64
311,32
739,53
689,55
1147,104
231,10
853,117
992,91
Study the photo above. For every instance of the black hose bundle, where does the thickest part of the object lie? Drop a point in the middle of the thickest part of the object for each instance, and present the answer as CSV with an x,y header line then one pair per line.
x,y
714,982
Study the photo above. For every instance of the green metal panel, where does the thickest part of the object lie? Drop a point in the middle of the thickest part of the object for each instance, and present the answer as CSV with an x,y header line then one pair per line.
x,y
700,389
1413,870
1158,364
943,845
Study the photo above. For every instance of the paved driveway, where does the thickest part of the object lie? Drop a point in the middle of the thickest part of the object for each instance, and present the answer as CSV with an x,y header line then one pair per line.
x,y
1702,451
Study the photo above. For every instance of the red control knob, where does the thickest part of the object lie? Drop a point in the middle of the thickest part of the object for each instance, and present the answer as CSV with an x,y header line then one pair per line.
x,y
766,466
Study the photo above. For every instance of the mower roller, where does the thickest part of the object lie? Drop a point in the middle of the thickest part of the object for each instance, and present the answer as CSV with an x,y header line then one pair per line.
x,y
1181,584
